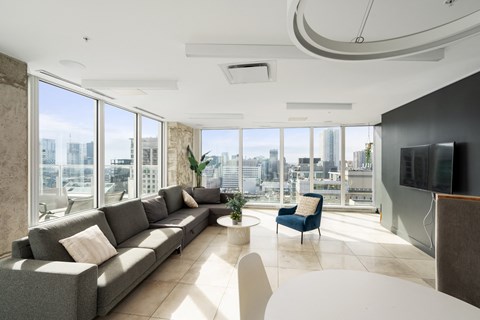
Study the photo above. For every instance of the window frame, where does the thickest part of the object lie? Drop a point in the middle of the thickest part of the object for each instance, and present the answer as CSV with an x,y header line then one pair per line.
x,y
34,153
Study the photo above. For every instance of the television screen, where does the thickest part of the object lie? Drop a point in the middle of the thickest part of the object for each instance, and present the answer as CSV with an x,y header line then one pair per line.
x,y
414,163
441,167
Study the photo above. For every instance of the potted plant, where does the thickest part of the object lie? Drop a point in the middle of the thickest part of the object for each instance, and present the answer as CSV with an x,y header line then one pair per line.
x,y
197,167
236,204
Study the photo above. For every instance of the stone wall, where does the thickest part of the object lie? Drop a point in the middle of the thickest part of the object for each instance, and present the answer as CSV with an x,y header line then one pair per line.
x,y
178,167
13,152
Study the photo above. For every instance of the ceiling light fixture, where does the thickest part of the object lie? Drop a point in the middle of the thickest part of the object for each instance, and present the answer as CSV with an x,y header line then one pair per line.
x,y
72,64
318,106
215,116
313,42
130,84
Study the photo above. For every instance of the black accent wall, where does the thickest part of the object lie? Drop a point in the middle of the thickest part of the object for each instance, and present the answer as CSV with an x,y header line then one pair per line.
x,y
449,114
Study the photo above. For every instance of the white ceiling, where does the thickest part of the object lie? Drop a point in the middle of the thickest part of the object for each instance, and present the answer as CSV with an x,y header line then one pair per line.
x,y
145,40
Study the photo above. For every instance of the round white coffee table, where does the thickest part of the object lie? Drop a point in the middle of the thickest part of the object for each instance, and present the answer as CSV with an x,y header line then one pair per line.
x,y
238,234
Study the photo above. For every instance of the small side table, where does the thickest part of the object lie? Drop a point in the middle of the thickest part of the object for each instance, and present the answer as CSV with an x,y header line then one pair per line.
x,y
238,234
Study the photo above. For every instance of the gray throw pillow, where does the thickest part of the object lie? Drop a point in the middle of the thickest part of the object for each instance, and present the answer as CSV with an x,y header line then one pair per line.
x,y
155,208
126,219
206,195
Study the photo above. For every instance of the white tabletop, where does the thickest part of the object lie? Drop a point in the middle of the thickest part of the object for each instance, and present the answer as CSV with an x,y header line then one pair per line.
x,y
247,221
348,295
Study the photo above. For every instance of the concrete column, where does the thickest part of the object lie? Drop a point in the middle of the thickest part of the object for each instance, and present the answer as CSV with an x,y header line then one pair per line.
x,y
13,152
178,167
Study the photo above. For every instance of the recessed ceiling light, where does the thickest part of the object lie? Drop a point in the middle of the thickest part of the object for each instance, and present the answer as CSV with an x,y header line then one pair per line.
x,y
72,64
297,118
318,106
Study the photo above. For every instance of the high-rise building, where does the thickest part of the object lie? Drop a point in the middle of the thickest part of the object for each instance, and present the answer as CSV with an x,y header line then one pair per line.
x,y
75,153
90,153
359,160
331,150
48,151
331,145
150,151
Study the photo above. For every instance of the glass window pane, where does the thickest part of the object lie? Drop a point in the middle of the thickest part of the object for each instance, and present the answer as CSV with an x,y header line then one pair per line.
x,y
297,163
150,156
222,171
327,179
119,154
67,151
358,157
261,166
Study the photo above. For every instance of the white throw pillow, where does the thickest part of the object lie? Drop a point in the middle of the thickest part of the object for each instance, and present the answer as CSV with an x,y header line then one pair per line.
x,y
307,206
189,201
89,246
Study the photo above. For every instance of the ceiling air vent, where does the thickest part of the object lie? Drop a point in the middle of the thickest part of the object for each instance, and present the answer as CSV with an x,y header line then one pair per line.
x,y
264,71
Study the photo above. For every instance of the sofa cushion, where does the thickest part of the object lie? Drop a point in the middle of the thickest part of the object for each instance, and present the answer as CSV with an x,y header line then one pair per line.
x,y
162,241
173,198
206,195
155,208
44,238
188,200
185,218
126,219
121,271
217,210
89,246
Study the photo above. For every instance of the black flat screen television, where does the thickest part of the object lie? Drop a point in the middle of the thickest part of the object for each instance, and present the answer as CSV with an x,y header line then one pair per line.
x,y
428,167
414,163
441,167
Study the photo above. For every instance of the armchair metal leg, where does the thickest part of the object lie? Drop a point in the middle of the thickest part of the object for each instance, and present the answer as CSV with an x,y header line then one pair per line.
x,y
319,233
277,228
301,241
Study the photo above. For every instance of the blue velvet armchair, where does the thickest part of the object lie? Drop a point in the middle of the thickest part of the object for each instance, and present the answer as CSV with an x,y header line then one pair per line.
x,y
288,218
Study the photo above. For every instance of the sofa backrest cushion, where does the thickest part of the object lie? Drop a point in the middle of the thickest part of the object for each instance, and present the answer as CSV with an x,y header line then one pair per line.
x,y
126,219
44,238
173,198
206,195
155,208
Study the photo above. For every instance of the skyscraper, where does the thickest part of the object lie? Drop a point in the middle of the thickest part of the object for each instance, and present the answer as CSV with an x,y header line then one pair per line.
x,y
48,151
331,145
331,150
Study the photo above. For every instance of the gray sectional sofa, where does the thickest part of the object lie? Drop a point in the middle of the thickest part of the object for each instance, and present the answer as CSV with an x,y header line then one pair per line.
x,y
42,281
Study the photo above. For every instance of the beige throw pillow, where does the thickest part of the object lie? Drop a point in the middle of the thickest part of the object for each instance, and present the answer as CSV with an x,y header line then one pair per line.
x,y
189,201
307,206
89,246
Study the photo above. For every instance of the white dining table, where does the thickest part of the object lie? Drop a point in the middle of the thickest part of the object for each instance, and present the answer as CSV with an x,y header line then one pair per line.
x,y
348,295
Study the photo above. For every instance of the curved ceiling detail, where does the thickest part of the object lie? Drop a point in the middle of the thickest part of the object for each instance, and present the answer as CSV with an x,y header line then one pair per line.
x,y
409,34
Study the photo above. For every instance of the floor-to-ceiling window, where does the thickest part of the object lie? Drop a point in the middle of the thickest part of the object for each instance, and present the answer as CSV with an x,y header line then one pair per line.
x,y
81,145
359,166
66,137
151,155
296,177
327,178
223,151
261,165
119,154
310,158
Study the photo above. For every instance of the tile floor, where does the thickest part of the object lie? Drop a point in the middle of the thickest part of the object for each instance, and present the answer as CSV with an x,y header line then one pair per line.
x,y
202,282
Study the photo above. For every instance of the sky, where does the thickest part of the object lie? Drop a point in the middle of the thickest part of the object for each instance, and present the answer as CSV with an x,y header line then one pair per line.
x,y
70,117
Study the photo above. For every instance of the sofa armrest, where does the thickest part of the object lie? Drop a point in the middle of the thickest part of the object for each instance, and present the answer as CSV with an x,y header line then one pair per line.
x,y
47,289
